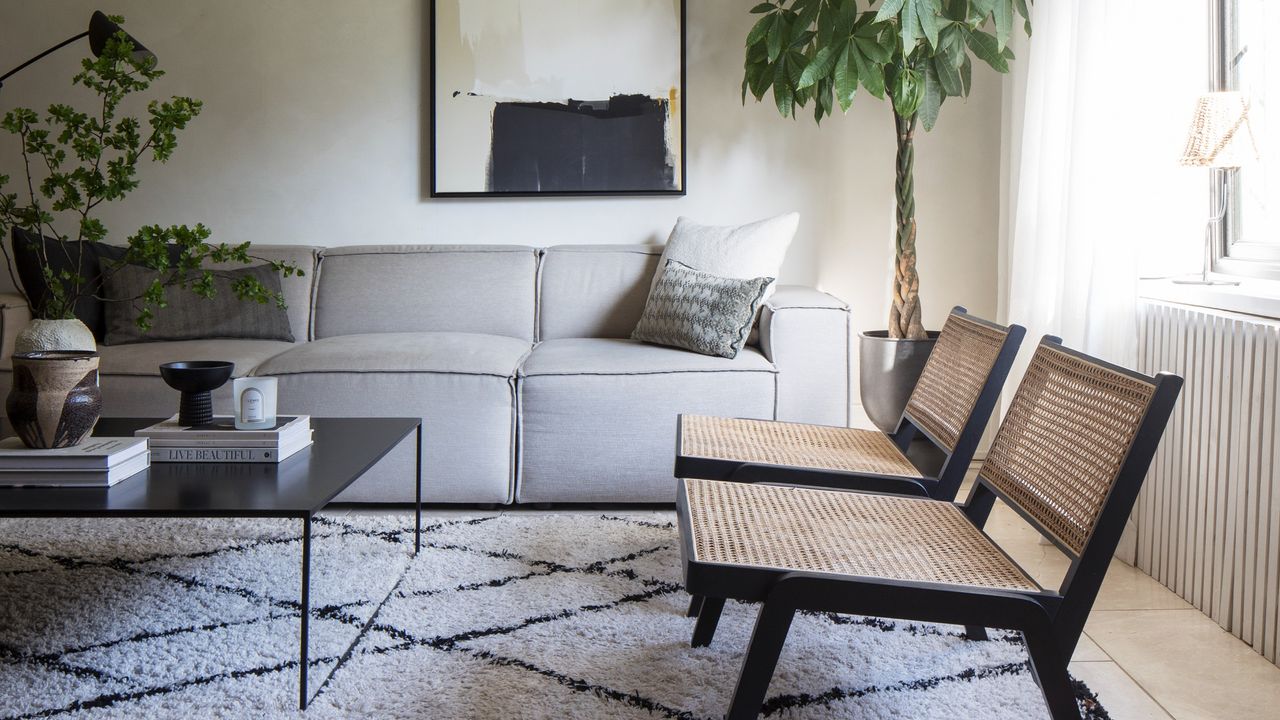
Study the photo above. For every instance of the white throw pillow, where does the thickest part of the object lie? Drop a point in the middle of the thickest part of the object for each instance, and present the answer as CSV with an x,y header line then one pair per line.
x,y
742,252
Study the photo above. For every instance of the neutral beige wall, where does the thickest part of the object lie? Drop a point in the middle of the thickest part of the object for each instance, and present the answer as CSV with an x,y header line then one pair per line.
x,y
315,130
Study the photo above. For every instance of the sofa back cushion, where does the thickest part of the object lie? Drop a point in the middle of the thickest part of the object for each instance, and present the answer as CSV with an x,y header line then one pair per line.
x,y
426,288
594,291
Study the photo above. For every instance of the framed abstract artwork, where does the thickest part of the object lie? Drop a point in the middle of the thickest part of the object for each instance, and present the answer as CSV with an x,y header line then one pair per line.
x,y
557,97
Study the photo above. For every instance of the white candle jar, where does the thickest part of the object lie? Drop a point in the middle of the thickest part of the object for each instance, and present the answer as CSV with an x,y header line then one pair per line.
x,y
255,402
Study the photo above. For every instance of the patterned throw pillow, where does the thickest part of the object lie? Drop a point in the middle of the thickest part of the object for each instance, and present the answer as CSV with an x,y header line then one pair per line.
x,y
699,311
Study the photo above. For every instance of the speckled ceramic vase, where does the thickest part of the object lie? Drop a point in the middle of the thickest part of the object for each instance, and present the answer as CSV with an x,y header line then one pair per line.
x,y
54,335
55,400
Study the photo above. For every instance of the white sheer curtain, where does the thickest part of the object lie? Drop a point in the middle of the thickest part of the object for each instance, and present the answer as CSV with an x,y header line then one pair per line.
x,y
1093,195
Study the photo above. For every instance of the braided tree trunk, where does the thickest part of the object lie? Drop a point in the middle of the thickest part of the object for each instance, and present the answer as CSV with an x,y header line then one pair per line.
x,y
904,316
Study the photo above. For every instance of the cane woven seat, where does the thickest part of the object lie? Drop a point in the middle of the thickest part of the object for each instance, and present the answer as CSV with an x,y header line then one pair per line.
x,y
817,447
882,536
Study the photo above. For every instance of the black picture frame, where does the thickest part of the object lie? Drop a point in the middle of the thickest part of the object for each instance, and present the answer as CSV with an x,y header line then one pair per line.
x,y
684,129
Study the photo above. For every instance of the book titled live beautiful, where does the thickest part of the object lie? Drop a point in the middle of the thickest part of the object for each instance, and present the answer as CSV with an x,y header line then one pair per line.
x,y
220,442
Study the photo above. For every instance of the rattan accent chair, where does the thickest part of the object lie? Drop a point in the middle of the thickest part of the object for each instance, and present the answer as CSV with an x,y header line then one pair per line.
x,y
949,408
1069,457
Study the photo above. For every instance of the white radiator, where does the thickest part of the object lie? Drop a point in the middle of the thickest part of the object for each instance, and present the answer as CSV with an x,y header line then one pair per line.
x,y
1208,518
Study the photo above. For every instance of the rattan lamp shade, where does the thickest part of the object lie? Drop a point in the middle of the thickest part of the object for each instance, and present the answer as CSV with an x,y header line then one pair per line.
x,y
1220,136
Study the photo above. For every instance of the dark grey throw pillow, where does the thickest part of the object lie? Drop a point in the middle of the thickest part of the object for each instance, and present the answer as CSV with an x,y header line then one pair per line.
x,y
701,312
75,257
189,316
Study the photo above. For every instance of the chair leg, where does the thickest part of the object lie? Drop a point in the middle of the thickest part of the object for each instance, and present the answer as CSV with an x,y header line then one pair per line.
x,y
695,606
762,657
708,618
1051,674
975,632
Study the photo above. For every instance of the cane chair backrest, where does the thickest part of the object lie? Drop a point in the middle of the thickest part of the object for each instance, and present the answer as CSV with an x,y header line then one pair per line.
x,y
1064,440
955,375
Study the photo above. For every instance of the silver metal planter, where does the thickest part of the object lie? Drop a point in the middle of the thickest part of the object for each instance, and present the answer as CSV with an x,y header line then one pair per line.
x,y
887,373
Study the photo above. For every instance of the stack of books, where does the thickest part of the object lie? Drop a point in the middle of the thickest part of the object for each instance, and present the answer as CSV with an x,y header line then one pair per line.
x,y
96,462
221,442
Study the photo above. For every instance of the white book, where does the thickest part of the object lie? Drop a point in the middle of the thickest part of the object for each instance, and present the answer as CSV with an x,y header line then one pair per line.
x,y
228,455
77,478
95,453
223,427
234,442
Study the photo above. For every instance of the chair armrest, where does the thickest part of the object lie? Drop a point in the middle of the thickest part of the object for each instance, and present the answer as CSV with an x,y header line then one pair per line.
x,y
805,333
14,316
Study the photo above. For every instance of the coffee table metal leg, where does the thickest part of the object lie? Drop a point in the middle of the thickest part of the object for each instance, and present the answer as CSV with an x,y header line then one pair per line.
x,y
417,517
303,660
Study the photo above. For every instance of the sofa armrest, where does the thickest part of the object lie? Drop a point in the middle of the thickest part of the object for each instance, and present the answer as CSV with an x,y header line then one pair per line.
x,y
14,315
805,333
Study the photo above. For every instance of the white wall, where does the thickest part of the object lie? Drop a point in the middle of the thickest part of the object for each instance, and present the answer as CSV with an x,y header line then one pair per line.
x,y
315,130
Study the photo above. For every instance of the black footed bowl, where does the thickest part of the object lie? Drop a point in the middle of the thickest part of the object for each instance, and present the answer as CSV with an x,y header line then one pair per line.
x,y
195,379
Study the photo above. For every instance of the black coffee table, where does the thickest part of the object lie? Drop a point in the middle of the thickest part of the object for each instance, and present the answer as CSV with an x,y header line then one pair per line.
x,y
299,487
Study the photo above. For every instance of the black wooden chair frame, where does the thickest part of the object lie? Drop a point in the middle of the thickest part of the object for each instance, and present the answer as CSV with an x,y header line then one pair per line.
x,y
1051,622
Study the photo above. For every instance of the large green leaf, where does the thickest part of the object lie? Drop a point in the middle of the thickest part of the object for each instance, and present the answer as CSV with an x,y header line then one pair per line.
x,y
870,75
909,27
934,96
846,17
952,44
981,8
762,8
783,96
927,13
984,45
872,50
777,32
888,9
760,29
1003,17
846,78
819,67
808,10
947,76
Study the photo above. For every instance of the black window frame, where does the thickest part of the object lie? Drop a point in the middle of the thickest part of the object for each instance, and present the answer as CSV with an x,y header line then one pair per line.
x,y
1232,253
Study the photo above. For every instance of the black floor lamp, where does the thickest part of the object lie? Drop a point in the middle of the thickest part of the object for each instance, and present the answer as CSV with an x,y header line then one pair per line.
x,y
100,30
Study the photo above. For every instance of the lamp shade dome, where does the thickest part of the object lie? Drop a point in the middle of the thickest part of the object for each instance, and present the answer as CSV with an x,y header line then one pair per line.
x,y
102,29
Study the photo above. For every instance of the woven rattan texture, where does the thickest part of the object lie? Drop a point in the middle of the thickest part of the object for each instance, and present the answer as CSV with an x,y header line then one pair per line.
x,y
818,447
953,377
1063,440
801,529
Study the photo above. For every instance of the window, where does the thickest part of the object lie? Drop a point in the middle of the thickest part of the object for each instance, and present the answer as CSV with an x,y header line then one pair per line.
x,y
1244,58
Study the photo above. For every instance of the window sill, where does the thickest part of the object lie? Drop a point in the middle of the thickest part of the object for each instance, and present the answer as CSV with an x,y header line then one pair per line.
x,y
1251,297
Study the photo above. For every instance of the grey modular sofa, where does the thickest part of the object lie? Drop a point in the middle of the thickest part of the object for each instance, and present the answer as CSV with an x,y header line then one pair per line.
x,y
516,358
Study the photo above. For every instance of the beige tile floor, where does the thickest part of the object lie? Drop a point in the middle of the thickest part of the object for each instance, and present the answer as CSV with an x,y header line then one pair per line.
x,y
1145,651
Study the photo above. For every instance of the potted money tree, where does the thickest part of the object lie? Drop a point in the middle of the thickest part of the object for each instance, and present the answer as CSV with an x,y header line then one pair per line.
x,y
915,53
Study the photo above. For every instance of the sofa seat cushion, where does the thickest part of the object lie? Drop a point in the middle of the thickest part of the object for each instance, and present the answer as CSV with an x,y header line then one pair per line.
x,y
145,358
611,356
598,416
409,352
462,385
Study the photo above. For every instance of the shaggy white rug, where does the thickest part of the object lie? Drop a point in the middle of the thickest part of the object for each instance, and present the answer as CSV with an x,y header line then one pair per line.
x,y
516,615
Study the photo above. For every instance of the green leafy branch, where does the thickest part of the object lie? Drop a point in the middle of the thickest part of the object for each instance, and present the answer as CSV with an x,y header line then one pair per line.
x,y
86,159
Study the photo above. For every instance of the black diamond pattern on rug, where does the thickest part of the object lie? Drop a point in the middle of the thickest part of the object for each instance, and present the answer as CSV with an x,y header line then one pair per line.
x,y
526,615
